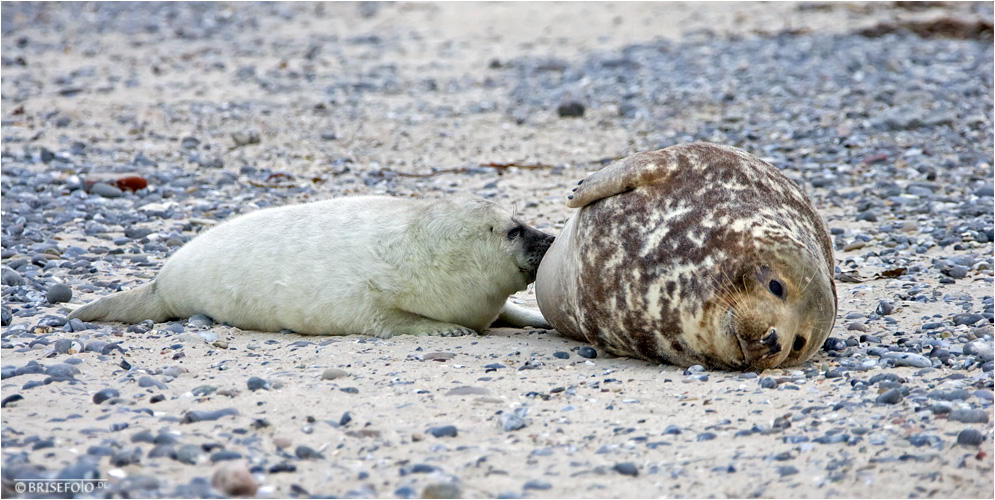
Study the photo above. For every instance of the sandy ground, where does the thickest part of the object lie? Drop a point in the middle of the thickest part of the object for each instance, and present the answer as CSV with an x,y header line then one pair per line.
x,y
584,416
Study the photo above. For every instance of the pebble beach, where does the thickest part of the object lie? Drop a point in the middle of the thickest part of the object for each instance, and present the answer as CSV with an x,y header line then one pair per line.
x,y
128,128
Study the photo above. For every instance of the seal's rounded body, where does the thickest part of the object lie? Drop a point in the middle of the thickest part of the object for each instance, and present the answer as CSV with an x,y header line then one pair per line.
x,y
692,254
374,265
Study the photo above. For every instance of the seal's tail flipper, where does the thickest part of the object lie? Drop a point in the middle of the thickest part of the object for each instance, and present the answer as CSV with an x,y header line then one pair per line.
x,y
522,317
131,306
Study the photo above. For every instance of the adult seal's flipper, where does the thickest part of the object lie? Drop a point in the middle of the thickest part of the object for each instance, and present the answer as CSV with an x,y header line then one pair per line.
x,y
650,167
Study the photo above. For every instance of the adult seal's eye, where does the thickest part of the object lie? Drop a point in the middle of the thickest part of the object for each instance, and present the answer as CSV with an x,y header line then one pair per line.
x,y
776,288
514,233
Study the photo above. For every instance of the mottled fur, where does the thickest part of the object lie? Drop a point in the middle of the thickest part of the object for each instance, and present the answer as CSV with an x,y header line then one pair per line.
x,y
672,255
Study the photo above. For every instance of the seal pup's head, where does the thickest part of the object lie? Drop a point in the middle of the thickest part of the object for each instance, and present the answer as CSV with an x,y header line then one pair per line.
x,y
496,243
523,243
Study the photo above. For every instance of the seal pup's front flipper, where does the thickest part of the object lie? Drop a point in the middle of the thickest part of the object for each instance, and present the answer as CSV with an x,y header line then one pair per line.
x,y
408,323
522,317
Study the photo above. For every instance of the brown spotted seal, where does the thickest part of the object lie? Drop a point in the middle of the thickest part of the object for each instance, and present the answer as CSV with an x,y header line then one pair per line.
x,y
373,265
692,254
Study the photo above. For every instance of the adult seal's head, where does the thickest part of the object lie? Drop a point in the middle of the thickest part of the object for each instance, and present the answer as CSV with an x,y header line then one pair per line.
x,y
693,254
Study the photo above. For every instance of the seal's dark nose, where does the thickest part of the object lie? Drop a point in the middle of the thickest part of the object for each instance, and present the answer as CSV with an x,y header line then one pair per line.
x,y
536,242
771,341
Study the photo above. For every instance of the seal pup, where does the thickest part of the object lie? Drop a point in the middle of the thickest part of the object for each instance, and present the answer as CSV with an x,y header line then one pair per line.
x,y
378,266
693,254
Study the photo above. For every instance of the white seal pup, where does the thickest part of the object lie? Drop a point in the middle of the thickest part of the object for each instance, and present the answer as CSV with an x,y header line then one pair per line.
x,y
370,265
692,254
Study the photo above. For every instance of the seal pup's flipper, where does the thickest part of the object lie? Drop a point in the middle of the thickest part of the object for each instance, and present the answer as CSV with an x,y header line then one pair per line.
x,y
130,306
408,323
522,317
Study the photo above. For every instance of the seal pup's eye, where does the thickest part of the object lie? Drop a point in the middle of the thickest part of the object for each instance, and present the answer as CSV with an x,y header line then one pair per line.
x,y
514,233
776,288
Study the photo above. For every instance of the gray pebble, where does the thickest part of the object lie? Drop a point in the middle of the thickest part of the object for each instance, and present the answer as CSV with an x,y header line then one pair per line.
x,y
245,137
969,416
908,359
142,437
207,336
62,371
78,325
967,319
126,457
200,321
189,454
137,233
58,293
106,190
256,383
981,349
570,108
970,437
890,397
467,390
333,373
147,381
587,352
442,431
957,271
405,492
80,470
162,450
626,469
205,415
10,277
105,394
442,490
511,421
100,451
536,484
885,307
307,453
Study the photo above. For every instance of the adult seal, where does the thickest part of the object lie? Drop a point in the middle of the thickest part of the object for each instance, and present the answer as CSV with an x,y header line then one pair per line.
x,y
693,254
370,265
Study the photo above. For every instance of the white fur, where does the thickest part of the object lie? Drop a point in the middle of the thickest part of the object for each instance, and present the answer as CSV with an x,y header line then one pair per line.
x,y
372,265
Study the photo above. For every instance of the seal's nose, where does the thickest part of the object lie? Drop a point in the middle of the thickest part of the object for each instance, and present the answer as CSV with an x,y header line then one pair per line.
x,y
537,242
772,342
